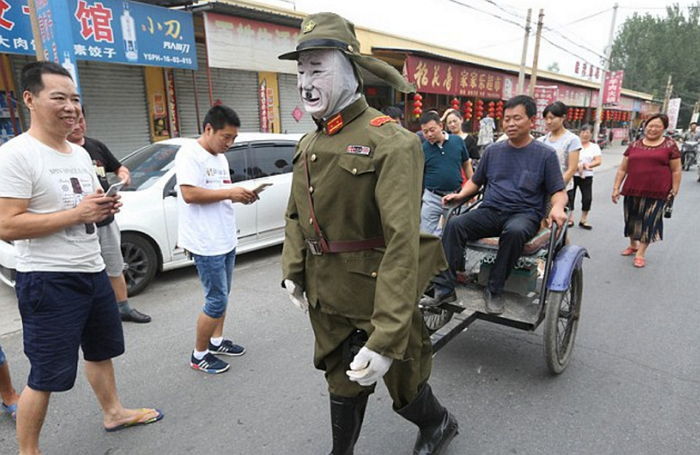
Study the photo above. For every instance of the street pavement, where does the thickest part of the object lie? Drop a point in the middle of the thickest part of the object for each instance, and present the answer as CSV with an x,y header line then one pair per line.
x,y
633,385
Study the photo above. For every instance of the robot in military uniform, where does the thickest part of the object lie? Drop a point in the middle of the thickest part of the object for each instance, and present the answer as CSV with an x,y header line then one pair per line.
x,y
353,256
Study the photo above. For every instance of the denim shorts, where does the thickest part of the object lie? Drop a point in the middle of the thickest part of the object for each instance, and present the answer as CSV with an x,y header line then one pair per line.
x,y
62,312
216,275
3,359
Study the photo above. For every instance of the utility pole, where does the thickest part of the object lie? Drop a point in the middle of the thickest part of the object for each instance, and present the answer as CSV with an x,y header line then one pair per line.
x,y
606,70
533,77
667,95
521,73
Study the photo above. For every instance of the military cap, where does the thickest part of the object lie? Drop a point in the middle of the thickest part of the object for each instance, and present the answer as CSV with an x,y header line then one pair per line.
x,y
331,31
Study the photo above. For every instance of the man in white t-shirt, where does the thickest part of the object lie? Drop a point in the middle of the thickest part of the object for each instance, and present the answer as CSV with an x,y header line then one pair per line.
x,y
207,230
50,200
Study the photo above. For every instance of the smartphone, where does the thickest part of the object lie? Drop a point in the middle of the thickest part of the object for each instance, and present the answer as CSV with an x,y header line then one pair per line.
x,y
114,189
260,188
78,189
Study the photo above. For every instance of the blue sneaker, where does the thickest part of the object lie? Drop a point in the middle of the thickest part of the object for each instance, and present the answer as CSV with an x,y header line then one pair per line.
x,y
227,348
209,364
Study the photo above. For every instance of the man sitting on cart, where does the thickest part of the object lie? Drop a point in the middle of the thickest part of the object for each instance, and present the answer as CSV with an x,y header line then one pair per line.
x,y
520,177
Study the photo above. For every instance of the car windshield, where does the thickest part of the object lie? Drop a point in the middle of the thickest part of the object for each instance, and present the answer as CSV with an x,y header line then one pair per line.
x,y
149,164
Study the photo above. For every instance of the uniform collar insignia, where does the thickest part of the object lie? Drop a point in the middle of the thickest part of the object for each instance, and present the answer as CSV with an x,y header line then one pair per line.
x,y
344,117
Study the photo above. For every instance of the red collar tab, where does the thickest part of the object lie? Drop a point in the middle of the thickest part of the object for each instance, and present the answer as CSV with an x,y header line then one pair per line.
x,y
381,120
334,124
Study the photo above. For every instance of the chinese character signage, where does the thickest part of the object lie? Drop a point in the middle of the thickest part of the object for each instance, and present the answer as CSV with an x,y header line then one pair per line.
x,y
268,105
244,44
432,76
15,28
544,96
674,107
52,18
104,30
613,87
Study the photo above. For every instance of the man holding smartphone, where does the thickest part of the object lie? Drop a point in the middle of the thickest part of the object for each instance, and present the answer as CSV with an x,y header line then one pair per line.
x,y
207,230
64,296
108,229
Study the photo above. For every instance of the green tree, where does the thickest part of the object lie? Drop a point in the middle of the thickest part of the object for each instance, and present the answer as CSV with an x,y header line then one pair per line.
x,y
649,48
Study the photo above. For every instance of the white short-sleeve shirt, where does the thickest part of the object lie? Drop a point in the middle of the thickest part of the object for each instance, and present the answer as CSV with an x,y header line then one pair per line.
x,y
52,181
204,229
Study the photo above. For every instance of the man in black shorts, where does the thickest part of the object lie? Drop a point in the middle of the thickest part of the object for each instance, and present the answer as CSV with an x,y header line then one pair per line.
x,y
50,200
107,229
520,176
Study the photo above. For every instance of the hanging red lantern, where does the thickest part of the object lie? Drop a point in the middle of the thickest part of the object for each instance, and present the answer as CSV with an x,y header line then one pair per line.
x,y
455,103
468,110
417,105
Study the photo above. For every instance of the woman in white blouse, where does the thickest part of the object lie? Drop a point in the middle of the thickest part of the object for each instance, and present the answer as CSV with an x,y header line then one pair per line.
x,y
589,158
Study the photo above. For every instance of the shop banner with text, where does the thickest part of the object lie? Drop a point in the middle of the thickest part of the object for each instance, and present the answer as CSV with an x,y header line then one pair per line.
x,y
544,96
115,31
433,76
674,108
245,44
613,87
53,19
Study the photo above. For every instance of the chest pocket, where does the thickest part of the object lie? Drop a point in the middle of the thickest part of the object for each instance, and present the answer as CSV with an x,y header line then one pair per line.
x,y
356,165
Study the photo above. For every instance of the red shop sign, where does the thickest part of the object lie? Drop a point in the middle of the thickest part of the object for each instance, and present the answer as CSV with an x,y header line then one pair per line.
x,y
433,76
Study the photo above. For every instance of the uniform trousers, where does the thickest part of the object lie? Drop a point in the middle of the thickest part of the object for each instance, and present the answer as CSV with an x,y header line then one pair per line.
x,y
513,229
403,380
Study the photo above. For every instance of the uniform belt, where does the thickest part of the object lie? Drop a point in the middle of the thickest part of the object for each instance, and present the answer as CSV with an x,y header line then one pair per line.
x,y
440,192
317,247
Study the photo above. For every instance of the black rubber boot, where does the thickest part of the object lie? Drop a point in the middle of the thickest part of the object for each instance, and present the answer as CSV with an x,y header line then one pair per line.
x,y
346,419
436,426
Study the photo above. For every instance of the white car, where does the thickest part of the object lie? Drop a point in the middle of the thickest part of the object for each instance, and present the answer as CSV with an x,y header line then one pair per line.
x,y
148,219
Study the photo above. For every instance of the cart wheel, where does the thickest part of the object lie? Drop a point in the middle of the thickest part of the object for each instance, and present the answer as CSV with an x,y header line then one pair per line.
x,y
561,322
435,318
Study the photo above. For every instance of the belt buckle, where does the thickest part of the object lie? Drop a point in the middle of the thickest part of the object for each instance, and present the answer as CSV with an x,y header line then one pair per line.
x,y
314,247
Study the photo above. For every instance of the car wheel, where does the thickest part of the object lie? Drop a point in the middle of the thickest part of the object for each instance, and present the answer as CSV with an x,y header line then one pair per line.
x,y
140,262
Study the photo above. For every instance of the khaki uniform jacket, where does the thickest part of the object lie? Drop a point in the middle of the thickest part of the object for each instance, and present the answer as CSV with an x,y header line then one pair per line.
x,y
366,177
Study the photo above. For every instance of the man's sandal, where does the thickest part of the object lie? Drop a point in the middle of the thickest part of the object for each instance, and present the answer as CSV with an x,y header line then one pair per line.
x,y
138,420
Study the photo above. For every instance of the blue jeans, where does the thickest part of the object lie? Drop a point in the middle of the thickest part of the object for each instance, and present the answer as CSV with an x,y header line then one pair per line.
x,y
3,359
216,275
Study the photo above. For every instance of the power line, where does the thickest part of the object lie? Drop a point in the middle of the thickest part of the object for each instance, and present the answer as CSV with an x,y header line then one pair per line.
x,y
491,2
517,24
588,17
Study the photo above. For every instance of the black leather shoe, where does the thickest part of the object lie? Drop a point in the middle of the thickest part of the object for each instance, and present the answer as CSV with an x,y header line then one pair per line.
x,y
438,299
436,426
495,303
135,316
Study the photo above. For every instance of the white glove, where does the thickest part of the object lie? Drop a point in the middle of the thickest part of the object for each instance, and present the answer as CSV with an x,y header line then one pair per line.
x,y
368,367
296,295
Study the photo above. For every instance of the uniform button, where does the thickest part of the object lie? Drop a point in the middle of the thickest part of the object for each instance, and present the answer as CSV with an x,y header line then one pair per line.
x,y
373,274
354,170
311,189
313,157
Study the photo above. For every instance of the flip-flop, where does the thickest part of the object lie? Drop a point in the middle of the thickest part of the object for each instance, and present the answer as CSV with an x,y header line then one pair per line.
x,y
570,223
137,420
585,225
639,262
10,409
629,251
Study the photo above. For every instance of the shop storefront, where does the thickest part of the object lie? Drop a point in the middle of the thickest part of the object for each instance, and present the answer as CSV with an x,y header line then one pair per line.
x,y
248,76
121,48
